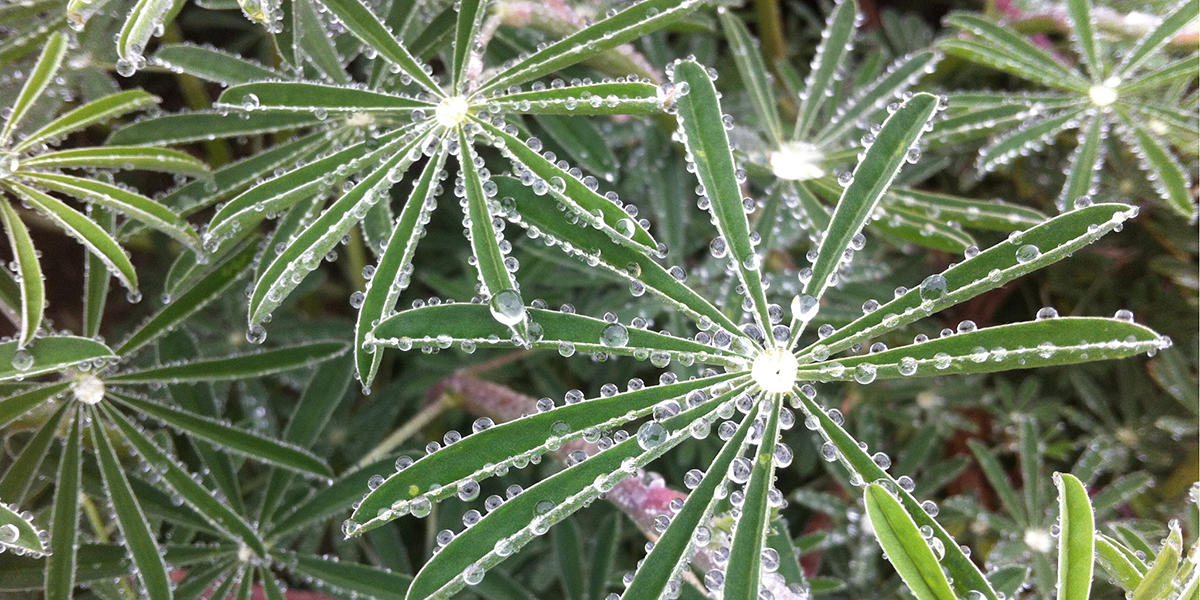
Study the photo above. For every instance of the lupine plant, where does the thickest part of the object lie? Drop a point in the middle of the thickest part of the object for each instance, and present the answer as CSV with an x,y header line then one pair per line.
x,y
250,165
1099,92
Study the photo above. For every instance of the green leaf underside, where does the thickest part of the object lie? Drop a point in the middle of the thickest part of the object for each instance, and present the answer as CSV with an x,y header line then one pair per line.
x,y
907,550
29,278
744,571
505,442
1076,539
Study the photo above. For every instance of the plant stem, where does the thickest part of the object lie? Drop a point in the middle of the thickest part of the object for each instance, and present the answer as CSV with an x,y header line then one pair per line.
x,y
411,426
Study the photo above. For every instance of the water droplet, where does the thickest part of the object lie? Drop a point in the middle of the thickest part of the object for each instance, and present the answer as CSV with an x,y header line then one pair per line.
x,y
614,335
507,308
651,434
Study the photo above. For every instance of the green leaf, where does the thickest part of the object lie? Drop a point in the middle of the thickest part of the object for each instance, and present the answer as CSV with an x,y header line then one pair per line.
x,y
328,501
39,76
16,405
702,124
84,230
1032,135
189,301
1002,48
27,538
364,25
477,456
131,204
96,279
301,97
1184,68
238,366
898,77
1054,240
1119,562
470,16
1076,539
754,74
1026,345
568,555
604,553
1168,177
201,126
279,192
872,177
1157,583
578,139
388,280
497,283
605,98
994,215
906,549
836,41
317,46
1083,34
212,64
1183,13
120,157
571,192
64,525
141,23
29,276
346,579
976,123
174,475
673,549
998,478
744,571
530,513
252,445
139,539
49,354
321,397
96,111
460,322
963,573
94,562
307,250
604,34
22,471
597,248
917,228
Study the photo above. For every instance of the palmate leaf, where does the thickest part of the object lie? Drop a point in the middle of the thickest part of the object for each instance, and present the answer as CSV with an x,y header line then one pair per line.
x,y
871,178
1119,562
598,248
389,277
1167,175
753,72
302,97
365,26
605,34
200,126
479,455
458,323
238,366
630,97
120,157
29,277
19,532
36,82
1181,14
305,253
836,43
96,111
20,474
48,355
252,445
1031,344
668,558
898,76
703,126
64,529
212,64
508,527
139,539
745,568
1010,52
1042,245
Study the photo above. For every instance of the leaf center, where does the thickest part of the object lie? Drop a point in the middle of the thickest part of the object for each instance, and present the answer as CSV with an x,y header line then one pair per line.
x,y
774,370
